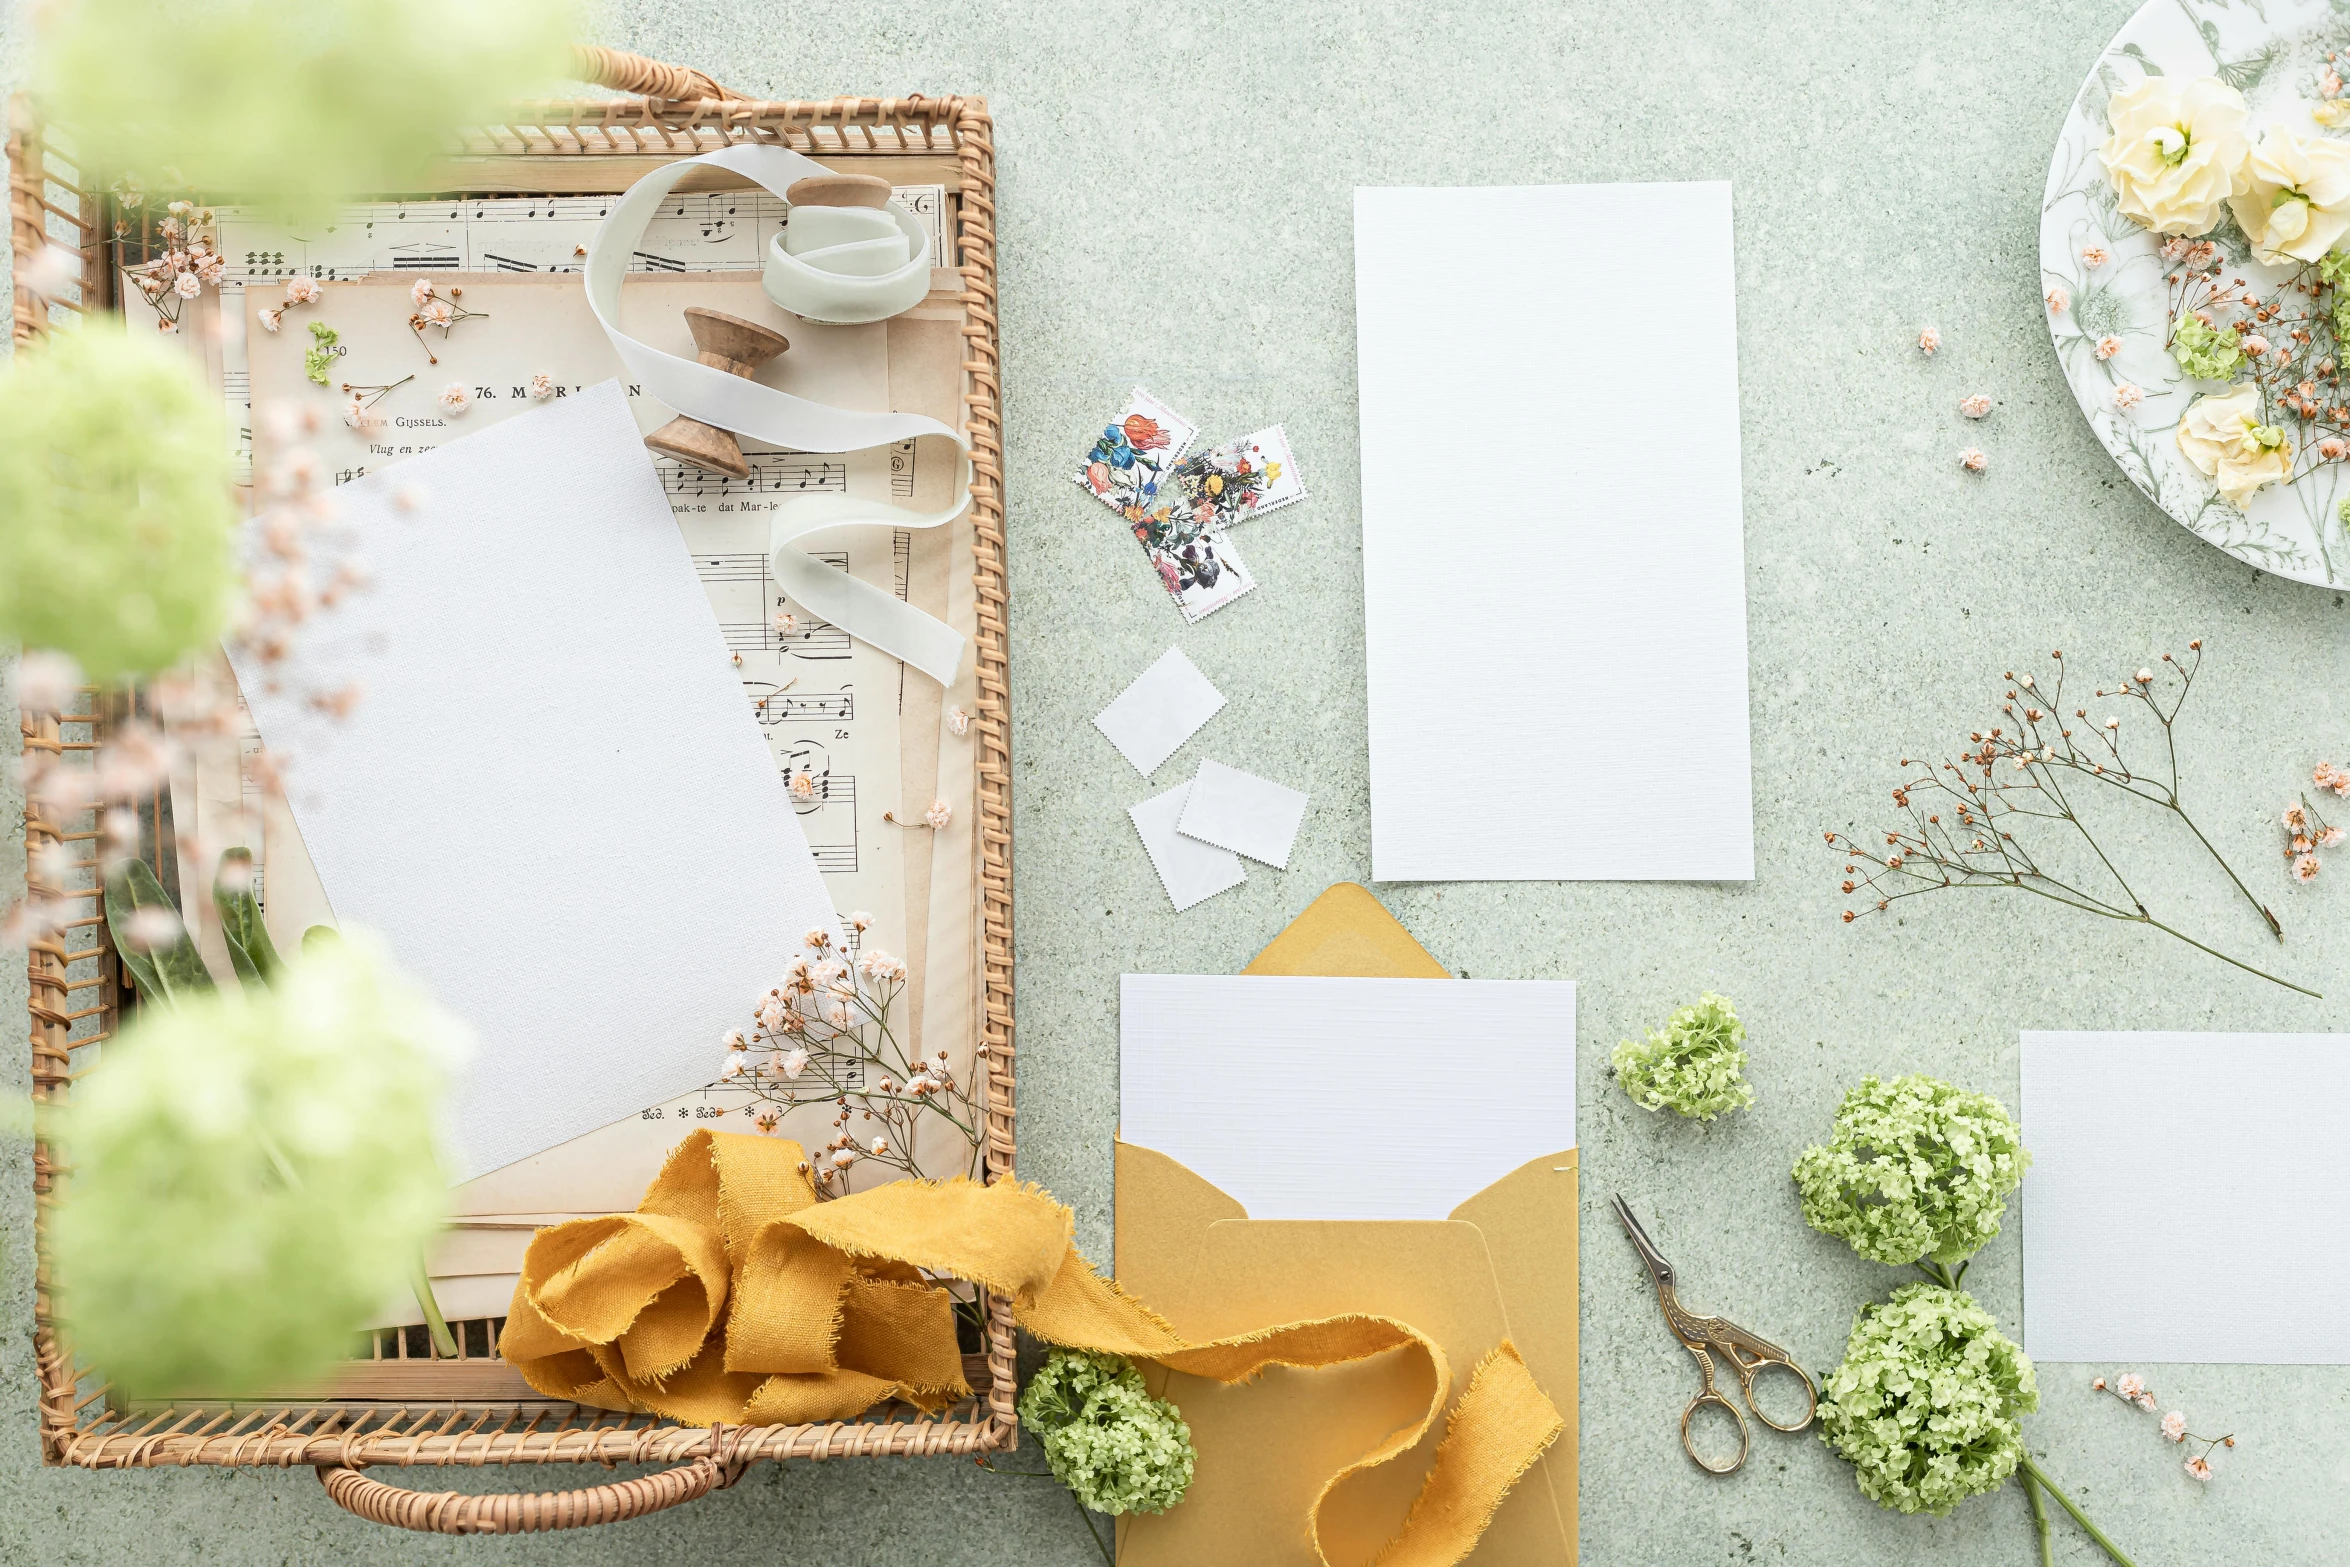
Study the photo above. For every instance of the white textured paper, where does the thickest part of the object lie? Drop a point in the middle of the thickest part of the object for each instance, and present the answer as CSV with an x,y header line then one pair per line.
x,y
552,798
1188,869
1553,556
2186,1198
1165,706
1244,813
1308,1098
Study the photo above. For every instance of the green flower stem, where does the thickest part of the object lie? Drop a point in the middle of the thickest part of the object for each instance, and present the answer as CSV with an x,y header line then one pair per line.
x,y
1093,1534
442,1339
2039,1519
2033,1473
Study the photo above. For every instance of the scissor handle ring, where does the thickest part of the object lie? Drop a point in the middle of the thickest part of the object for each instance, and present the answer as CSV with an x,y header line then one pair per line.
x,y
1811,1393
1713,1396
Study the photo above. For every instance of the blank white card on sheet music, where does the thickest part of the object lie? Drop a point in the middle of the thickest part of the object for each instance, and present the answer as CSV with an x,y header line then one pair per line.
x,y
1553,558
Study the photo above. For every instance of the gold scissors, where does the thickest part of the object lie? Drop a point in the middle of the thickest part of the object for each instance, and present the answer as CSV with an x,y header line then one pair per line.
x,y
1705,1337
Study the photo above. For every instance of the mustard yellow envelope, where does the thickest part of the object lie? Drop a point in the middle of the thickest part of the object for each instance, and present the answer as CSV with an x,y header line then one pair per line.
x,y
1502,1266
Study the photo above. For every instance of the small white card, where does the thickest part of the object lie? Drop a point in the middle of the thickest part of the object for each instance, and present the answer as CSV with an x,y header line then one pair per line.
x,y
1164,707
1188,869
2185,1198
1244,813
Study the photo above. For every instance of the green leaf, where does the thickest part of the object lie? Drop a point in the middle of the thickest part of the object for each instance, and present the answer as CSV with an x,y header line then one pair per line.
x,y
164,974
249,947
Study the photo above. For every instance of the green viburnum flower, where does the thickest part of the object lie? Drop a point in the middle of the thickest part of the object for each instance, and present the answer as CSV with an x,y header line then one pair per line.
x,y
1926,1402
1115,1447
254,1174
117,525
1692,1065
295,102
1914,1168
2204,352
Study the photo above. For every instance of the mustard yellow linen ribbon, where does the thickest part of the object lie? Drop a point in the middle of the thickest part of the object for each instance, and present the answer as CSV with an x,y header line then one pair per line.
x,y
733,1295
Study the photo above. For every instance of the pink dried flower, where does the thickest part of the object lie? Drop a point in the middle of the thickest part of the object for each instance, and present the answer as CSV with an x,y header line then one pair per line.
x,y
2305,868
2295,817
1973,460
2199,1467
302,291
272,318
542,387
939,814
2094,256
2174,1426
1929,341
2254,344
803,786
439,313
2131,1385
2331,450
786,623
2329,838
2058,301
2107,346
2127,396
794,1062
1974,407
420,292
187,285
454,399
2098,1385
2146,1402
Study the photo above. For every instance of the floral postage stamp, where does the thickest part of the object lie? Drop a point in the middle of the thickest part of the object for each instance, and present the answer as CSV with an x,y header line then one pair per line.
x,y
1241,479
1133,454
1195,560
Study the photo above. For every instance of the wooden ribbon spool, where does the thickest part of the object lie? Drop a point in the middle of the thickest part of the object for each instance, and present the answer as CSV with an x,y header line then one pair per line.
x,y
738,347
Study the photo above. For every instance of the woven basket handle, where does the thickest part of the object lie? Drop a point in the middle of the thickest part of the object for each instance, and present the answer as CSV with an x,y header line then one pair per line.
x,y
529,1512
633,73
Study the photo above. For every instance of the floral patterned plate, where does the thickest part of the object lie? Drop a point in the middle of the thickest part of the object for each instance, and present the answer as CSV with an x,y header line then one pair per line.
x,y
2114,289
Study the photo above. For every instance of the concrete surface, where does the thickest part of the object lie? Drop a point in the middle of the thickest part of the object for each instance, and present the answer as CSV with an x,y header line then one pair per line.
x,y
1175,212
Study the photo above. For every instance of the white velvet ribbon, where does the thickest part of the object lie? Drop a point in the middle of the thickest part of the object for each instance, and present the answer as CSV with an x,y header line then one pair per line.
x,y
849,264
730,402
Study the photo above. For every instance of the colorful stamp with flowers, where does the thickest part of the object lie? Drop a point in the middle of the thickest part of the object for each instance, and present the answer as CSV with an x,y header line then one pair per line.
x,y
1241,479
1195,560
1133,455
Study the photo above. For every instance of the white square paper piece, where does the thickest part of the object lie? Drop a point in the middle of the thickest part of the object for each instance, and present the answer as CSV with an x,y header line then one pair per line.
x,y
544,676
1554,583
1244,813
1163,707
1188,869
1294,1095
2185,1198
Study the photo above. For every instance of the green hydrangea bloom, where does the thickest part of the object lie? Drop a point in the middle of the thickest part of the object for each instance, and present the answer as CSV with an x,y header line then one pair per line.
x,y
117,526
2204,352
1115,1447
254,1175
1926,1402
1692,1065
1914,1168
290,100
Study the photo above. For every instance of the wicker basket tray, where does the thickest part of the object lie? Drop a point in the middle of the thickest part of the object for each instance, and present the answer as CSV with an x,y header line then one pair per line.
x,y
404,1404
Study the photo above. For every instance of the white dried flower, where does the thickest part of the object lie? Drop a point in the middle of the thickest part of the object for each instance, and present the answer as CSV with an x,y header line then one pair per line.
x,y
843,1158
939,814
880,1146
958,721
420,292
302,291
542,387
794,1063
454,399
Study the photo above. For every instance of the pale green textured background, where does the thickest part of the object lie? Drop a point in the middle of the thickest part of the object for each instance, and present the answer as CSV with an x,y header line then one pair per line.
x,y
1175,211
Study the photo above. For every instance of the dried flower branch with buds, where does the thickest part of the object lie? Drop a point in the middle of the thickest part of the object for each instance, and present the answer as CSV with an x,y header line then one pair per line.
x,y
434,308
2022,776
2131,1389
825,1035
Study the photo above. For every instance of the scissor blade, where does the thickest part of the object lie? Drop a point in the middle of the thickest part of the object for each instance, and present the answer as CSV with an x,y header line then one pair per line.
x,y
1658,1268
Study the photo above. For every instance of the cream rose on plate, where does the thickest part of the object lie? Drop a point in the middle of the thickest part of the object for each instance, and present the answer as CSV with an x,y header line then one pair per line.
x,y
2297,200
2222,435
2176,151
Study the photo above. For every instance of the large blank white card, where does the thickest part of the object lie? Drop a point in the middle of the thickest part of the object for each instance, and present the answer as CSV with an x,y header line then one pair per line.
x,y
1311,1098
2186,1198
552,798
1553,548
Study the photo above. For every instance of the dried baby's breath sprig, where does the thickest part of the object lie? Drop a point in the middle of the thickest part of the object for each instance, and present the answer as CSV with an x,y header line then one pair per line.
x,y
363,398
435,309
2131,1389
1963,815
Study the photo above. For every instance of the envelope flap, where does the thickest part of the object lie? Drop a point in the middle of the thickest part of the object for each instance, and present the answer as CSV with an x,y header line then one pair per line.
x,y
1347,933
1161,1211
